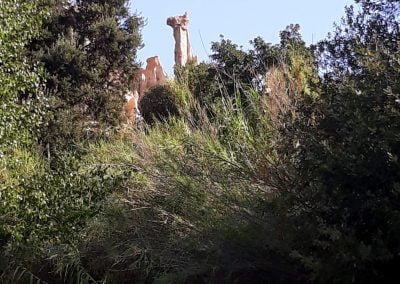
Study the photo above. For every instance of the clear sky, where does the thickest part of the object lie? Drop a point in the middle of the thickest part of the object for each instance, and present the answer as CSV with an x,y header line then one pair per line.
x,y
238,20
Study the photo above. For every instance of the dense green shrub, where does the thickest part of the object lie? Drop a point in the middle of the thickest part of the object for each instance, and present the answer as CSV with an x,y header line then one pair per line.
x,y
44,208
200,81
158,103
342,153
22,105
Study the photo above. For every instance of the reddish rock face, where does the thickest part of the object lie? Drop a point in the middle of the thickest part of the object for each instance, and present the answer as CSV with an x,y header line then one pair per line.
x,y
152,75
183,50
131,109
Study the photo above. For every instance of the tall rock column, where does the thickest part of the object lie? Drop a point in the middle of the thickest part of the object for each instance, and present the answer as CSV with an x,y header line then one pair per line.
x,y
183,50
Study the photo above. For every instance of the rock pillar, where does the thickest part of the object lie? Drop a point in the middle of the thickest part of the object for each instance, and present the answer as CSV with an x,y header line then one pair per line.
x,y
183,50
152,75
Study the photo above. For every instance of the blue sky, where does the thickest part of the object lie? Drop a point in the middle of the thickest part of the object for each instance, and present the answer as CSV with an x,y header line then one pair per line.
x,y
238,20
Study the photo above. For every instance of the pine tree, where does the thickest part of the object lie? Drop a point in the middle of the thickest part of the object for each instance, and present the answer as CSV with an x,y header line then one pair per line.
x,y
88,49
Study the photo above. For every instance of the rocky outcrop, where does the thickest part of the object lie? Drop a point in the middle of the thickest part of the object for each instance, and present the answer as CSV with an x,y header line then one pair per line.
x,y
152,75
131,106
183,50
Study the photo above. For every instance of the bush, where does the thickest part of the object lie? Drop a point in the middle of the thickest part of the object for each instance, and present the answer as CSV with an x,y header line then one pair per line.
x,y
22,103
158,103
43,209
200,80
337,152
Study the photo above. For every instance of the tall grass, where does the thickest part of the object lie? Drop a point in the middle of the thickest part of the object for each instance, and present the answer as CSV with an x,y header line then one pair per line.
x,y
195,201
195,198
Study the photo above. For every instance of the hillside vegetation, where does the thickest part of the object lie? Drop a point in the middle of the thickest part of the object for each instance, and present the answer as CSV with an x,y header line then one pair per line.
x,y
278,164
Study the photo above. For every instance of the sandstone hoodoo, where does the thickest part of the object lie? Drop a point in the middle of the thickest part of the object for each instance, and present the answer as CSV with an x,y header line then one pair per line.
x,y
152,75
183,50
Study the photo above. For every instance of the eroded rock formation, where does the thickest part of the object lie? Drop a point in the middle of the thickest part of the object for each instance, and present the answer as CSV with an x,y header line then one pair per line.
x,y
152,75
183,50
131,106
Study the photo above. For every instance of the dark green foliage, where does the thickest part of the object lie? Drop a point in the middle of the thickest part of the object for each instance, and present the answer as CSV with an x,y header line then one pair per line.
x,y
46,210
200,80
88,50
234,70
345,159
22,105
45,206
158,103
234,66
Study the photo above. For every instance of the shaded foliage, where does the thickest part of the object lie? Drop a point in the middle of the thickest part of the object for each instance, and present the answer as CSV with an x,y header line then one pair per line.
x,y
88,50
158,103
345,159
22,106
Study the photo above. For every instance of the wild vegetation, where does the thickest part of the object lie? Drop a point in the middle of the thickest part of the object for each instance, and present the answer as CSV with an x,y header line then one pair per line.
x,y
279,164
